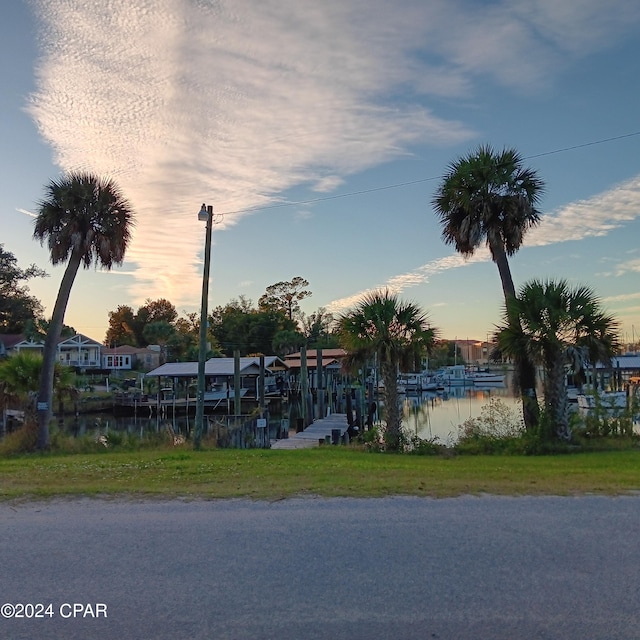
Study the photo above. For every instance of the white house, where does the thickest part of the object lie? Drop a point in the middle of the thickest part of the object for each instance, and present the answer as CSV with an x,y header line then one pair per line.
x,y
125,357
76,351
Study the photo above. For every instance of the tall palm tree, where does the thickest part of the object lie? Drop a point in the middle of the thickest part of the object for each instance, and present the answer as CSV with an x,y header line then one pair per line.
x,y
561,328
397,333
85,221
490,197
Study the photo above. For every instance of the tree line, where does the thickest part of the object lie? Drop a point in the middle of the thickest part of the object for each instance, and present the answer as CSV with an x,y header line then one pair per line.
x,y
276,325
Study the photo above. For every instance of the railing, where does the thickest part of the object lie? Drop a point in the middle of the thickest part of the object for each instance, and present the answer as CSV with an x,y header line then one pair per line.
x,y
82,363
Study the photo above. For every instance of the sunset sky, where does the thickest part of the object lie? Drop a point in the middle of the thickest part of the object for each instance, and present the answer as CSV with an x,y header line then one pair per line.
x,y
319,132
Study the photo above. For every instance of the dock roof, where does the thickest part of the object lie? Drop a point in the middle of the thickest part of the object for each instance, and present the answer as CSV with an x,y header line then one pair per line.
x,y
218,367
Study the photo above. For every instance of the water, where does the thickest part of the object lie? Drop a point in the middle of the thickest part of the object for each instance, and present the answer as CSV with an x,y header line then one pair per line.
x,y
439,415
428,415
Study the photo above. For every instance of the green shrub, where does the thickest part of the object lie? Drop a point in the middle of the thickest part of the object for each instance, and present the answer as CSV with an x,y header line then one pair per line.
x,y
426,447
21,440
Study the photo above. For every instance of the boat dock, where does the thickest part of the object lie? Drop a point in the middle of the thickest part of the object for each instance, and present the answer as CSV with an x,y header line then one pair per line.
x,y
331,429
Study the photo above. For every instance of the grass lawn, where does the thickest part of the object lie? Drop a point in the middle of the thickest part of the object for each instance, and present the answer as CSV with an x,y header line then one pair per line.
x,y
322,471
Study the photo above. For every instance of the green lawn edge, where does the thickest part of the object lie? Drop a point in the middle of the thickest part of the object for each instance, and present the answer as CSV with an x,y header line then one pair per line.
x,y
322,472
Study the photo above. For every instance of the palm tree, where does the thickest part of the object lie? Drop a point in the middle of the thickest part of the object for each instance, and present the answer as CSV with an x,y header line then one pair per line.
x,y
20,375
560,328
489,197
85,220
398,334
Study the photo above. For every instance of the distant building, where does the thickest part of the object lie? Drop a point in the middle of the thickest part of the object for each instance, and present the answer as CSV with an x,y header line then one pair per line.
x,y
474,351
84,353
126,357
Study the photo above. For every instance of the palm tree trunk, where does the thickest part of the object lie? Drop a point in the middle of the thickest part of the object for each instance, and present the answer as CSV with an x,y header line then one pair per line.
x,y
500,258
555,393
389,373
45,393
525,368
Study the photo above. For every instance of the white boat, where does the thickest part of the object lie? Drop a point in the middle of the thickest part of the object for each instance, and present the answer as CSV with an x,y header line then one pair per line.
x,y
410,382
416,383
604,399
486,377
400,386
454,375
429,382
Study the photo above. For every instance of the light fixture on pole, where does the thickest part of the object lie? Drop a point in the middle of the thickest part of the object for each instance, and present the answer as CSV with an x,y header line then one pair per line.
x,y
205,214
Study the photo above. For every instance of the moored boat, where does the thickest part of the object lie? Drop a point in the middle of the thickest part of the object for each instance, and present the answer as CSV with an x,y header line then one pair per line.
x,y
603,399
486,377
454,375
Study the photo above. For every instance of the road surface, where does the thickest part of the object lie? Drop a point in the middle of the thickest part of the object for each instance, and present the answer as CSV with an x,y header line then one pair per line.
x,y
305,569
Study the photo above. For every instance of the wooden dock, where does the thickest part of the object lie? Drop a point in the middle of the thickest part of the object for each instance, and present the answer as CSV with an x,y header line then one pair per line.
x,y
324,429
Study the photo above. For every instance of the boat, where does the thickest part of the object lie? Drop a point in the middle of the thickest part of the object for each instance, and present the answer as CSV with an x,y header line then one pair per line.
x,y
453,375
486,377
603,399
429,382
400,386
572,394
409,382
416,383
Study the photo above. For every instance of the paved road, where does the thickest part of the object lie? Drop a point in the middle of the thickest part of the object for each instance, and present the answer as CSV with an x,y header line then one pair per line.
x,y
306,569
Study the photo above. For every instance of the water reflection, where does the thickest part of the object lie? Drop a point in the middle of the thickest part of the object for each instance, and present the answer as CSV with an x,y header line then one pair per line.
x,y
439,415
95,424
428,415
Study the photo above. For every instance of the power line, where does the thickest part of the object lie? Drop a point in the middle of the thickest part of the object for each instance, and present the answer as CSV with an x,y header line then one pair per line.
x,y
399,185
582,146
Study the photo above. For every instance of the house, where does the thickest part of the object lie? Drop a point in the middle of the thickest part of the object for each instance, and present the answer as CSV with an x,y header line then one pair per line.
x,y
78,351
125,357
7,343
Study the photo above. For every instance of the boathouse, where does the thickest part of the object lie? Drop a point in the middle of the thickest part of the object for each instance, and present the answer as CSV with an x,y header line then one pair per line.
x,y
220,374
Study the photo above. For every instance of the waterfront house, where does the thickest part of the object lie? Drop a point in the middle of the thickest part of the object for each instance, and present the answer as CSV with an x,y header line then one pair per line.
x,y
125,358
78,351
8,342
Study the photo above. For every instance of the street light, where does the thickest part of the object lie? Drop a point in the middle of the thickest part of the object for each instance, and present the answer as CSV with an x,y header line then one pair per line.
x,y
205,214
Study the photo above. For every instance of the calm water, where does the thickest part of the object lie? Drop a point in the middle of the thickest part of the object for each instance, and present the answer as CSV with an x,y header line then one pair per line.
x,y
429,415
438,415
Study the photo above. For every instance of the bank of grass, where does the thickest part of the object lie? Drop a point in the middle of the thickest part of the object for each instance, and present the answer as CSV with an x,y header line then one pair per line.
x,y
322,471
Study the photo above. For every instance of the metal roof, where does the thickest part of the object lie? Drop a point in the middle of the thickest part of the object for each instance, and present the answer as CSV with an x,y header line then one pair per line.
x,y
217,367
313,353
627,361
330,363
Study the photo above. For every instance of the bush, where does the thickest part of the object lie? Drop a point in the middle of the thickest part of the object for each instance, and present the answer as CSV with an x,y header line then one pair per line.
x,y
426,447
21,440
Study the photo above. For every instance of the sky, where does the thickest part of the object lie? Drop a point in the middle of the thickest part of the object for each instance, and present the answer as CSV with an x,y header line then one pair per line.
x,y
319,132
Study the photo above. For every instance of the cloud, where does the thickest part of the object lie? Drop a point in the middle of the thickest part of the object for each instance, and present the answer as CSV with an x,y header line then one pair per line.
x,y
594,217
625,297
228,102
632,266
303,214
397,284
233,102
27,213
